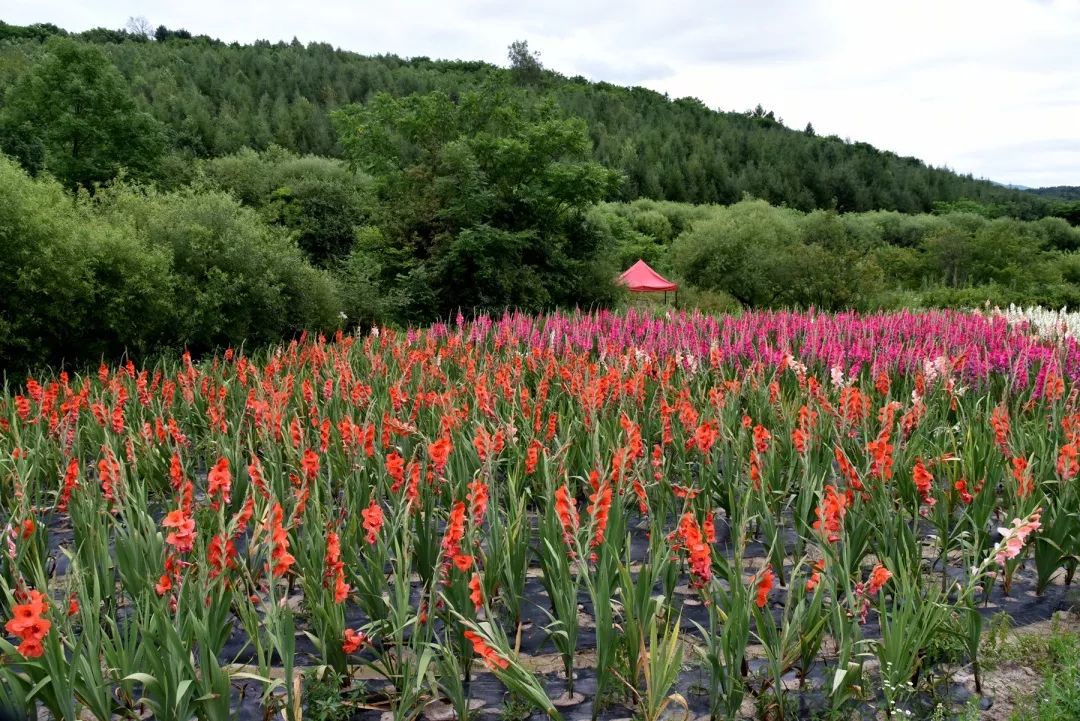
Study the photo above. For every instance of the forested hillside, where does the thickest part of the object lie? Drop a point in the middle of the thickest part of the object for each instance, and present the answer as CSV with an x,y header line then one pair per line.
x,y
178,192
213,99
1058,192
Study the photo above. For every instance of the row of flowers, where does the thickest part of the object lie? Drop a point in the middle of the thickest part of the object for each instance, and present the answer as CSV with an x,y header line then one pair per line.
x,y
173,530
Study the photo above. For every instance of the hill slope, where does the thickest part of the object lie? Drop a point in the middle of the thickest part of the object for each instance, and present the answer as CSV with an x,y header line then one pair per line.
x,y
1058,192
216,98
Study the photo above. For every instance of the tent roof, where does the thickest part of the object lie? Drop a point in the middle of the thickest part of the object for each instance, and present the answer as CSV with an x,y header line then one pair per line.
x,y
640,278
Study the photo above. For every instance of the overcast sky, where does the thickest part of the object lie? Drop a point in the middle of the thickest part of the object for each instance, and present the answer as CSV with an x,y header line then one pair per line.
x,y
990,87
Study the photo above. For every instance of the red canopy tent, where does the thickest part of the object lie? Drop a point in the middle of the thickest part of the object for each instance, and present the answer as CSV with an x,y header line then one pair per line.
x,y
640,278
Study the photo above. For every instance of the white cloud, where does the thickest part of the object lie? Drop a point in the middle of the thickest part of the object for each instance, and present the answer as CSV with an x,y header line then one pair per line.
x,y
964,83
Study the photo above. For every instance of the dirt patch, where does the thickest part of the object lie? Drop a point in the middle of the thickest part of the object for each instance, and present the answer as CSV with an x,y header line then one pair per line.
x,y
1007,684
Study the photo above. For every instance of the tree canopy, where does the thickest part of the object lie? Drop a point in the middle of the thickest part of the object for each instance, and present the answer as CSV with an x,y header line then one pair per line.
x,y
480,200
73,114
217,98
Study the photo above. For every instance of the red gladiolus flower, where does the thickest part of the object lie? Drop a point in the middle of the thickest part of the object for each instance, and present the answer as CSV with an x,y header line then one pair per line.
x,y
412,491
705,436
353,641
1068,462
642,497
599,509
1025,485
830,514
999,419
244,515
183,537
755,468
708,528
881,383
491,657
476,592
22,407
566,510
220,555
439,452
799,437
294,432
463,562
815,573
532,457
761,438
878,578
763,585
455,531
373,521
176,472
478,501
163,585
699,552
1053,387
847,470
923,482
219,483
881,451
29,625
109,473
395,468
335,568
71,481
962,490
256,475
279,540
309,463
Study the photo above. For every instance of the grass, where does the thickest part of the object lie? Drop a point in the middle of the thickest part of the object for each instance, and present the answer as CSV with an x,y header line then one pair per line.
x,y
1058,698
1055,657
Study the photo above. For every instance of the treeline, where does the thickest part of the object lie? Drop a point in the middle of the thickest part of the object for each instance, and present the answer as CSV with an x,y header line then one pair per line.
x,y
212,99
123,232
1064,201
472,204
262,246
752,254
138,271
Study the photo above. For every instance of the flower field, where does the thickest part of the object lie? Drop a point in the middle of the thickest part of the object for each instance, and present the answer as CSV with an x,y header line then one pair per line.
x,y
589,515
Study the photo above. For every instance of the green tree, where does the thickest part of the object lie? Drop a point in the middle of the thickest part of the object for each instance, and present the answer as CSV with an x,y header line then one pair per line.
x,y
524,64
76,285
75,107
236,279
319,200
481,201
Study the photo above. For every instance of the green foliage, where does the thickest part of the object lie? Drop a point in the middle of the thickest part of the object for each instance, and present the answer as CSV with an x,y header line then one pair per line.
x,y
483,194
754,254
481,202
327,696
1058,698
235,279
135,271
73,114
217,98
74,284
319,200
524,65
